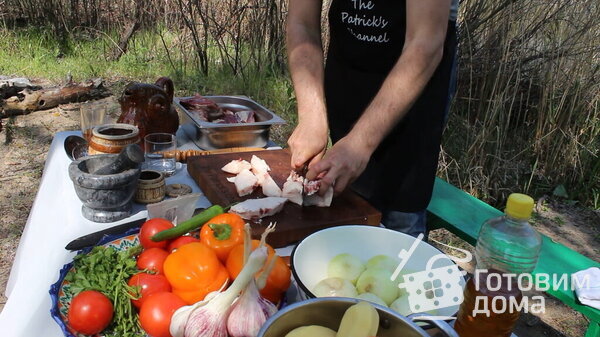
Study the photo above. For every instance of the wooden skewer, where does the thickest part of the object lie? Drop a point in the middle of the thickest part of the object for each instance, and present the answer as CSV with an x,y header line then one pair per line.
x,y
183,155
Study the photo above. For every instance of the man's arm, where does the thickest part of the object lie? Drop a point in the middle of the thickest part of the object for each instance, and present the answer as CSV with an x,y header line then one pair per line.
x,y
426,27
305,55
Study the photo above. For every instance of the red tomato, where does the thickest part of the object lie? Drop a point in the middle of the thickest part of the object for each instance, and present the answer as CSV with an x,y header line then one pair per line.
x,y
149,285
152,259
90,312
180,241
156,312
151,227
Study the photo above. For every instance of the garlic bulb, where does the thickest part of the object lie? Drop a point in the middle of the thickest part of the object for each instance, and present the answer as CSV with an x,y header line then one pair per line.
x,y
250,310
208,318
249,313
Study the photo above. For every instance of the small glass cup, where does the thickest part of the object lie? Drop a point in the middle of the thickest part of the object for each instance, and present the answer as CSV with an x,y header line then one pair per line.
x,y
92,114
154,146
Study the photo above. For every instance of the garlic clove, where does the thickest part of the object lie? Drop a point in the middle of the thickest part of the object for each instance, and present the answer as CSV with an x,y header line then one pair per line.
x,y
181,316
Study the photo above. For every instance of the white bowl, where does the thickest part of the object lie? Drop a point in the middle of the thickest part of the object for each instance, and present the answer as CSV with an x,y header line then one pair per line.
x,y
311,256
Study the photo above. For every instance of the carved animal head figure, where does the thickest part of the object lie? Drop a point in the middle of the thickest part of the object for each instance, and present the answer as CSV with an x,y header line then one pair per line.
x,y
149,107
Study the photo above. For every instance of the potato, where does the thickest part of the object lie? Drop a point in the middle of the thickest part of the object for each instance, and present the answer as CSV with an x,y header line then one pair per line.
x,y
311,331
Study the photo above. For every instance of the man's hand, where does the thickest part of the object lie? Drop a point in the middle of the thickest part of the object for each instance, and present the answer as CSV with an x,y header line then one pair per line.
x,y
341,165
305,56
308,143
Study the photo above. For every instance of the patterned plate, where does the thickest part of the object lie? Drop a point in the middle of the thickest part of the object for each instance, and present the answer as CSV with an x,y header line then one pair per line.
x,y
60,298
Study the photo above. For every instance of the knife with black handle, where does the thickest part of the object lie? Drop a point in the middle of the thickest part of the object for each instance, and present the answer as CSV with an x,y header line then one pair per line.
x,y
93,238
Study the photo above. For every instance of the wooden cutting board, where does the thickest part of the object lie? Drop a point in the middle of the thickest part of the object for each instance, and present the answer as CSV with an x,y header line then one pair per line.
x,y
294,222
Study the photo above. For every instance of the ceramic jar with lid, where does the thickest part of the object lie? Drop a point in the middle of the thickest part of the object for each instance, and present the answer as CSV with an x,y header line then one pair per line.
x,y
112,138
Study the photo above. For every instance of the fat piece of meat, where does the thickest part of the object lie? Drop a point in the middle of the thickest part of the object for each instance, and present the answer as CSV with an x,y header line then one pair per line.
x,y
245,182
312,198
246,116
253,209
269,186
320,201
292,188
259,167
236,166
311,187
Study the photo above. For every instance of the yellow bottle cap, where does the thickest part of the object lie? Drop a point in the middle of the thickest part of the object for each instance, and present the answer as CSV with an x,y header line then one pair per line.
x,y
519,206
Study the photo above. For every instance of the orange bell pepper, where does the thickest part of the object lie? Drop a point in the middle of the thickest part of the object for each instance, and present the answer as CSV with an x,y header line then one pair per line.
x,y
235,260
222,233
194,271
278,280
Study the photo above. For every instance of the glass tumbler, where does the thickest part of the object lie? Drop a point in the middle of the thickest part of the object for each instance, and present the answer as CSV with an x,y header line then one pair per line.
x,y
155,144
92,114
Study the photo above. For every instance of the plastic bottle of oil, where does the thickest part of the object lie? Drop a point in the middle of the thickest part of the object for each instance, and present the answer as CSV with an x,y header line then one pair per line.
x,y
506,246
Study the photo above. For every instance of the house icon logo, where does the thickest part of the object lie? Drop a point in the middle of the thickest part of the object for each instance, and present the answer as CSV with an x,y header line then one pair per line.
x,y
433,288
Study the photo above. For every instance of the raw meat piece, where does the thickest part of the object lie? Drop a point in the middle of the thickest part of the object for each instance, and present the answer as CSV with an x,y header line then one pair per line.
x,y
245,182
320,201
312,198
269,186
259,164
246,116
311,187
292,188
206,109
209,111
253,209
230,117
259,168
236,166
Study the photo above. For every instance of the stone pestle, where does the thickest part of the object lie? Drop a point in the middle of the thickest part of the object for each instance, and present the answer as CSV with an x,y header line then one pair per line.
x,y
130,157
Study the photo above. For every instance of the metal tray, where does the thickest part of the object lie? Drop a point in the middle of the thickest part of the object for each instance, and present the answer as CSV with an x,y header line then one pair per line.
x,y
212,136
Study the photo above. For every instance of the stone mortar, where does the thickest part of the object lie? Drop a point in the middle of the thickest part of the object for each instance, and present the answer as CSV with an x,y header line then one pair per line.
x,y
105,198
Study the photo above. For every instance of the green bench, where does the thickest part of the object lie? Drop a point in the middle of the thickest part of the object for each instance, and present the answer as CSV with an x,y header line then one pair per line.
x,y
463,215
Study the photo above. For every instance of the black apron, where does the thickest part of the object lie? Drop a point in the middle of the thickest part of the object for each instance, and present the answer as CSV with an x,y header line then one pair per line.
x,y
366,40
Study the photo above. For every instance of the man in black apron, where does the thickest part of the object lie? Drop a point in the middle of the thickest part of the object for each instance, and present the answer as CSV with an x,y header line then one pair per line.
x,y
382,95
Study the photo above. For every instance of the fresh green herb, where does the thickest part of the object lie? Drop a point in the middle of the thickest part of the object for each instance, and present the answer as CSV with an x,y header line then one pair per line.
x,y
107,270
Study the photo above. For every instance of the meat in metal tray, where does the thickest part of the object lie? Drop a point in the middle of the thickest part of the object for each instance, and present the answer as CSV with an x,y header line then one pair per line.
x,y
210,136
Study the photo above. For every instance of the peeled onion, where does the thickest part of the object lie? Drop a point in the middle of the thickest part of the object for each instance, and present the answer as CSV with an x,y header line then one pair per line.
x,y
401,306
382,262
335,287
378,281
345,266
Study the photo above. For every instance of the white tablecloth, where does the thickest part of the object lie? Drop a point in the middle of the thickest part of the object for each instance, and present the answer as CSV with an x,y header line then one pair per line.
x,y
54,220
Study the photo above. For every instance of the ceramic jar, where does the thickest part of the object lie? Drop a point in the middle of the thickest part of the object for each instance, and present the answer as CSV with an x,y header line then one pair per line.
x,y
151,187
112,138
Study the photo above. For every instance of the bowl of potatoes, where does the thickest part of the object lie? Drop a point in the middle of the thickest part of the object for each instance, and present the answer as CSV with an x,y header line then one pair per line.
x,y
339,316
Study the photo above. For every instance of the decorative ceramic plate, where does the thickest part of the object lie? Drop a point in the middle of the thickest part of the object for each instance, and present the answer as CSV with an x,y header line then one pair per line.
x,y
61,297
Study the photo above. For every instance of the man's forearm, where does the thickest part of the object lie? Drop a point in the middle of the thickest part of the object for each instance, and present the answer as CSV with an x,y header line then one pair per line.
x,y
396,96
426,24
305,57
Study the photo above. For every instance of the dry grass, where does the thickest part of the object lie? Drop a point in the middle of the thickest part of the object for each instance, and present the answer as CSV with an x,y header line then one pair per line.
x,y
528,104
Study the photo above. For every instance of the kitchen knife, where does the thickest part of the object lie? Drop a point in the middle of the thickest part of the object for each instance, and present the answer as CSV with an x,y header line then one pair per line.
x,y
93,238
